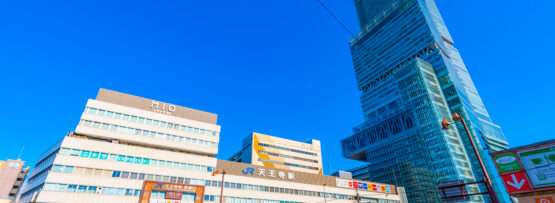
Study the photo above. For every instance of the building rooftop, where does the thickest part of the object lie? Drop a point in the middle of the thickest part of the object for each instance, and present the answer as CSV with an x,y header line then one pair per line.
x,y
123,99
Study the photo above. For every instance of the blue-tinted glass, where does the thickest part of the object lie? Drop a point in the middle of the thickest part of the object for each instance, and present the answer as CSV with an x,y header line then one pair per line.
x,y
85,153
72,188
116,174
94,155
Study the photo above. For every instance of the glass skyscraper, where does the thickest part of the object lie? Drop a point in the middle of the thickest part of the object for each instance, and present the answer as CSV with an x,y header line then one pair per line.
x,y
410,77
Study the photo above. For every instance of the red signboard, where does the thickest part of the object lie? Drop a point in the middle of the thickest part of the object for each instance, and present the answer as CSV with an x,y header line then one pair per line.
x,y
516,182
545,200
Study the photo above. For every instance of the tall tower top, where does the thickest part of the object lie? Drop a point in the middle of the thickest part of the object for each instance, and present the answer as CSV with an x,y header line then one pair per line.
x,y
368,10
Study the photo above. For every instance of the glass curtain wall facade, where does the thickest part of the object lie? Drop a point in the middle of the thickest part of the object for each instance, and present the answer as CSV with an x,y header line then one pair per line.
x,y
398,36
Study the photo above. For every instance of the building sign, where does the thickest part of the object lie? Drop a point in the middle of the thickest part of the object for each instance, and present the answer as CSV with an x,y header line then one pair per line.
x,y
172,191
162,108
254,171
248,170
267,172
544,200
540,165
365,186
507,163
174,195
516,182
127,100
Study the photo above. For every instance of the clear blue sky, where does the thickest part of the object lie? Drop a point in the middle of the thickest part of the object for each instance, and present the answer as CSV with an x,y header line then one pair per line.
x,y
277,67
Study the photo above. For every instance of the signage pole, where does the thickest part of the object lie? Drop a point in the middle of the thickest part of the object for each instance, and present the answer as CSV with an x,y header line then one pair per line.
x,y
325,195
222,184
457,117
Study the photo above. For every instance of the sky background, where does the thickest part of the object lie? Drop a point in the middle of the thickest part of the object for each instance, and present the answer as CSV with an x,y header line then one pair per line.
x,y
276,67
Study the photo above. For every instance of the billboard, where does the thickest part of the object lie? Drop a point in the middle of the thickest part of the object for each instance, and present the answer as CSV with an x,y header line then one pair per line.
x,y
366,186
158,192
540,165
528,168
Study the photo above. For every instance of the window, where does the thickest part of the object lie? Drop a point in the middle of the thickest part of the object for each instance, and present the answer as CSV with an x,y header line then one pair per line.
x,y
94,155
129,192
82,188
68,169
72,188
92,189
116,174
85,153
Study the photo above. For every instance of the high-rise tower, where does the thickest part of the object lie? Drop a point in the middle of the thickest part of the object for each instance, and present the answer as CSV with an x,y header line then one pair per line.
x,y
410,77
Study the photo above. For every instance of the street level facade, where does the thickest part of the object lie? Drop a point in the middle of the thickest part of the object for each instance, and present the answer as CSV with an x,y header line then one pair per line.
x,y
129,149
12,175
411,76
279,153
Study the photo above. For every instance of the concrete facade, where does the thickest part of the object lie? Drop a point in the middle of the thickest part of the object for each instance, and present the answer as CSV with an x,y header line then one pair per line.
x,y
280,153
117,147
12,175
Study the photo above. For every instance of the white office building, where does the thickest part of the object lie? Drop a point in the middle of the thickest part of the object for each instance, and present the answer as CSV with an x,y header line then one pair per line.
x,y
123,141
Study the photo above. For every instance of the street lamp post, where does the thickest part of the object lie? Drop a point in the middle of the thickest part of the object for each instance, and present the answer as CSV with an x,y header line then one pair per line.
x,y
222,172
457,117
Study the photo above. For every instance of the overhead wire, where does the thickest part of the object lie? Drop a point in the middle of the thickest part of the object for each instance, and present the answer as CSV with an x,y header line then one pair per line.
x,y
335,17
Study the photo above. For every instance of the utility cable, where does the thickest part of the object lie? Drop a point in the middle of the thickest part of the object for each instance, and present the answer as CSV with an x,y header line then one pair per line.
x,y
336,18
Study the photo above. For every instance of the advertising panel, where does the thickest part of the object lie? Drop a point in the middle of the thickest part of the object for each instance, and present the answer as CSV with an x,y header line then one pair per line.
x,y
516,182
365,186
536,161
540,165
157,192
507,162
544,200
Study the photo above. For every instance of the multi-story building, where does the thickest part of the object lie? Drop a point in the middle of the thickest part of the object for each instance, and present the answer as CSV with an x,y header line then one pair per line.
x,y
410,77
130,149
279,153
12,175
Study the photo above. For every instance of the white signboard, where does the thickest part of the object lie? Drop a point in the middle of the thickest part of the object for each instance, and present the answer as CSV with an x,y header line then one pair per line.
x,y
540,166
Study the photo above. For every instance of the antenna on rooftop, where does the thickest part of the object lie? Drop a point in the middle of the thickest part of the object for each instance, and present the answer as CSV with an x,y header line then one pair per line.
x,y
20,152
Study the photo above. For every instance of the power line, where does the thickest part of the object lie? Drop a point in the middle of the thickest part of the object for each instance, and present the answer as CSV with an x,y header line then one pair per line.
x,y
335,17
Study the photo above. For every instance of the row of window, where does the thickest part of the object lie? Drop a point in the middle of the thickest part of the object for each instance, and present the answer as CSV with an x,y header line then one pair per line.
x,y
287,164
287,156
228,199
148,121
146,133
191,181
134,160
91,189
125,175
154,196
287,149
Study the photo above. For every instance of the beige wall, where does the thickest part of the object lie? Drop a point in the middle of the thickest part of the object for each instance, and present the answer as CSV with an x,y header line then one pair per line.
x,y
314,147
9,171
153,105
